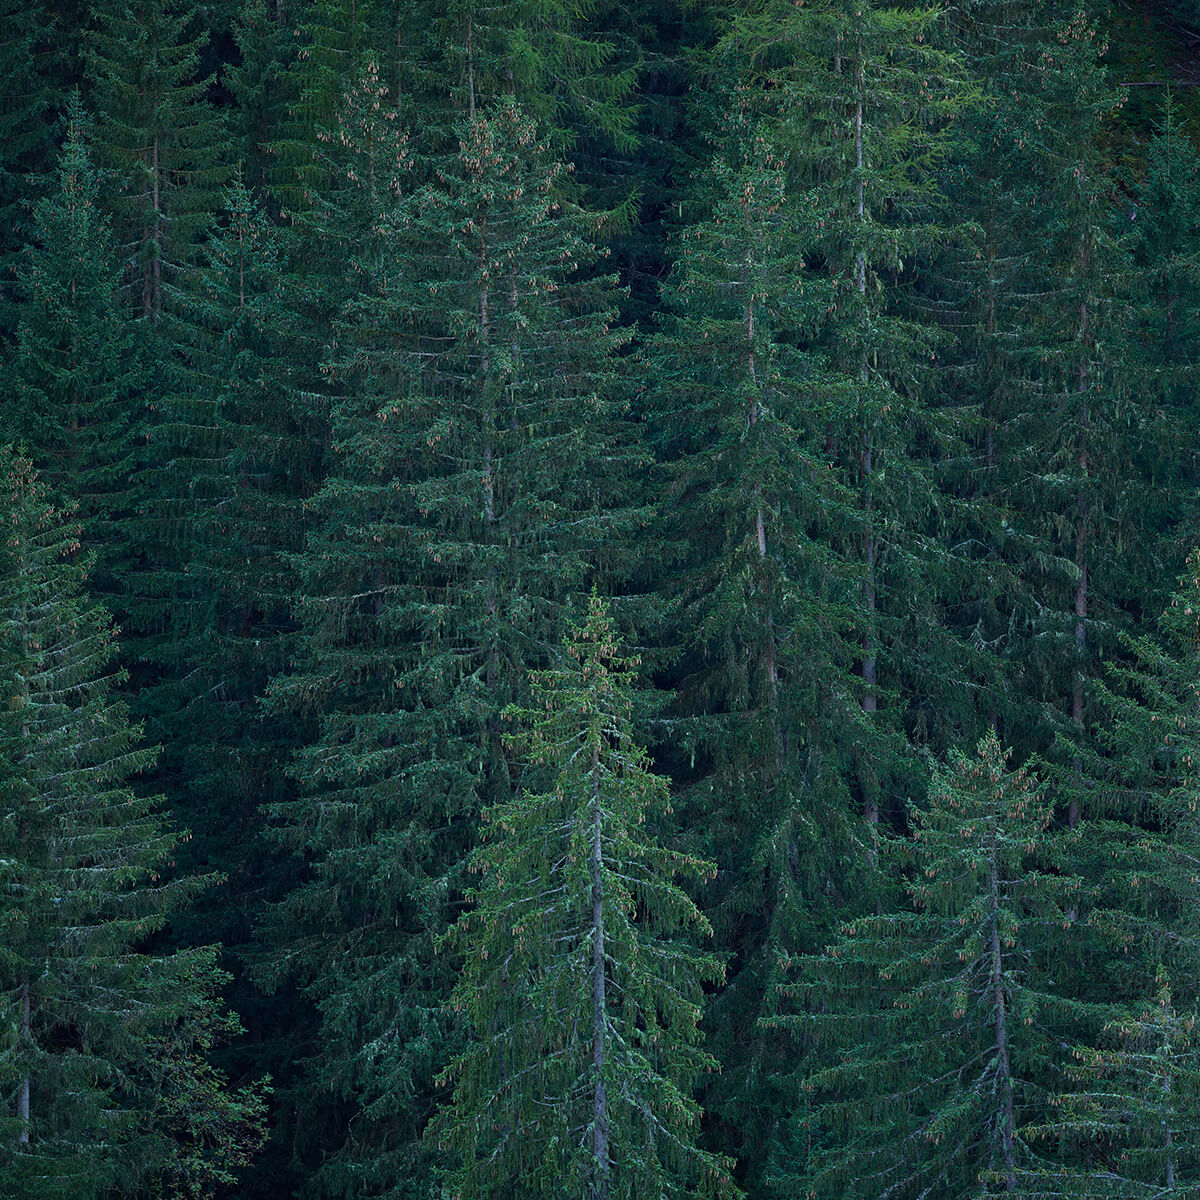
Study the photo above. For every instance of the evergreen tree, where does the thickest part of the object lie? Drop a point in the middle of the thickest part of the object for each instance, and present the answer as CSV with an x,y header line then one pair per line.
x,y
478,477
242,454
1067,507
767,712
75,381
930,1030
27,135
104,1043
1162,292
260,83
159,136
1132,1105
580,986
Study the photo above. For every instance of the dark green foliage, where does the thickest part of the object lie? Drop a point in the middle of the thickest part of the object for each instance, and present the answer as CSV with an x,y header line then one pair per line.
x,y
931,1031
1132,1107
260,85
104,1043
160,138
74,387
27,128
1067,493
332,352
479,469
579,985
767,708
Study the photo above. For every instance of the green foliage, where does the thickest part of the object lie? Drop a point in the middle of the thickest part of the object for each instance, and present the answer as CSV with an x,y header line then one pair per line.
x,y
159,136
75,381
932,1030
766,711
1132,1106
478,476
579,983
104,1041
27,129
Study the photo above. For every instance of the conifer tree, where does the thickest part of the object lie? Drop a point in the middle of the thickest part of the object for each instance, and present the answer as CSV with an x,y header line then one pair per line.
x,y
579,983
930,1030
1066,497
478,476
1162,291
767,705
160,137
75,380
261,83
241,454
871,91
103,1041
27,133
1140,763
1132,1104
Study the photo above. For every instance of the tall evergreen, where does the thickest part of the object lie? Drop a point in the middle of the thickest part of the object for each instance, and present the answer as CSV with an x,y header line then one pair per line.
x,y
766,712
28,125
930,1030
243,451
1066,500
581,989
261,83
104,1042
478,474
1132,1106
159,136
75,383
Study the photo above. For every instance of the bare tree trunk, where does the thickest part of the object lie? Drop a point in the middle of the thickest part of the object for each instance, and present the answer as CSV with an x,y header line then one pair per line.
x,y
26,1038
600,1150
869,662
1000,1016
1074,812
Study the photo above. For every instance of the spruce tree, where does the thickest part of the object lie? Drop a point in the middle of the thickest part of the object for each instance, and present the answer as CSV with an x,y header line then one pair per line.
x,y
242,452
1067,508
930,1030
104,1042
479,468
766,714
159,136
75,382
28,125
1131,1106
579,983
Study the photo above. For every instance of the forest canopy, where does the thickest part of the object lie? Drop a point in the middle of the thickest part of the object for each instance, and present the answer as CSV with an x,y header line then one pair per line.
x,y
600,600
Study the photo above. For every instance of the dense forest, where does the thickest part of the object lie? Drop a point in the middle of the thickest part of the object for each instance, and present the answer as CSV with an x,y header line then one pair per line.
x,y
600,600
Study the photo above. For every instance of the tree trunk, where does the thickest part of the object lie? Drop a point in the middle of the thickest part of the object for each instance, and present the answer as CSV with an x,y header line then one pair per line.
x,y
760,534
1000,1016
869,663
26,1039
600,1152
1074,811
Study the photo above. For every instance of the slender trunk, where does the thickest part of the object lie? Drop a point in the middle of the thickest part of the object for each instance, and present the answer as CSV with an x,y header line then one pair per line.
x,y
491,598
26,1040
760,523
26,1030
760,534
470,75
989,419
600,1151
869,664
1081,562
154,306
1167,1089
1003,1066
